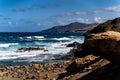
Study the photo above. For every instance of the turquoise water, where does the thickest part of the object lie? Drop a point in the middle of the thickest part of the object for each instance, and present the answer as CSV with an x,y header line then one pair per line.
x,y
54,43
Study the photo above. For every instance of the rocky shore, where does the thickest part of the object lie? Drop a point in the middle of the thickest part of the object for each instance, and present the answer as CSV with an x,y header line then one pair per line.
x,y
97,58
48,71
53,71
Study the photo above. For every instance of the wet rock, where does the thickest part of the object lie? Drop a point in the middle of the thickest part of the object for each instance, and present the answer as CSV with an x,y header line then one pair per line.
x,y
74,44
74,53
30,49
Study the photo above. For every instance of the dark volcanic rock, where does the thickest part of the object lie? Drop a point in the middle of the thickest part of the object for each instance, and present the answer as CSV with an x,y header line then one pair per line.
x,y
75,53
29,49
74,44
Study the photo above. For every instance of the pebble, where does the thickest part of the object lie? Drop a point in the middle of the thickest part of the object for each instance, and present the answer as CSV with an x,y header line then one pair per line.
x,y
33,71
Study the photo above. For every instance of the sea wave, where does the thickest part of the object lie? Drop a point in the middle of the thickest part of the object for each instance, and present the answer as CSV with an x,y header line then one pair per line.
x,y
39,37
7,44
14,55
29,37
34,55
63,38
58,45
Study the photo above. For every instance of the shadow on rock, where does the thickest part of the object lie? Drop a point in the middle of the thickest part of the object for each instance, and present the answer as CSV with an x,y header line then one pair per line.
x,y
79,65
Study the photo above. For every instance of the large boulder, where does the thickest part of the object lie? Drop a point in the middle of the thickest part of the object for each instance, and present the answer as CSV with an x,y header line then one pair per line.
x,y
74,44
106,44
80,63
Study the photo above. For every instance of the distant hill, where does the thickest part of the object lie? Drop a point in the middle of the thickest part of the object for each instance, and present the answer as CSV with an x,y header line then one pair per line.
x,y
73,27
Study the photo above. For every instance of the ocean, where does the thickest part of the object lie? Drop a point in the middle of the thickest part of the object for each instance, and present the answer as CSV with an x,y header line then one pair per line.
x,y
55,44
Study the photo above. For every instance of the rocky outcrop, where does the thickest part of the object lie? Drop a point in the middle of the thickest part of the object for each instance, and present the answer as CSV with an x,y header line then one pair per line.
x,y
104,40
109,25
30,49
74,44
80,63
106,44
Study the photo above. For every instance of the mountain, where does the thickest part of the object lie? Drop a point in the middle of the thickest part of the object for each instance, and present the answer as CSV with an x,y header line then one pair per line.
x,y
110,25
73,27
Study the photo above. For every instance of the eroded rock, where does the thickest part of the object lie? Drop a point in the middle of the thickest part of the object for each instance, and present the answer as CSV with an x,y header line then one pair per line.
x,y
80,63
105,44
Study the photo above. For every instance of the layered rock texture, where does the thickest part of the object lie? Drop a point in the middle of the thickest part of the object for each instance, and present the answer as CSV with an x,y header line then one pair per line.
x,y
105,40
106,43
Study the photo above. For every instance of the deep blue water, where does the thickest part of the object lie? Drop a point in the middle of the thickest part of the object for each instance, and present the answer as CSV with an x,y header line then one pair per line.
x,y
54,43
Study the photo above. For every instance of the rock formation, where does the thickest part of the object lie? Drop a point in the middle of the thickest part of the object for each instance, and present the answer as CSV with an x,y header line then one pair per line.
x,y
107,43
105,40
30,49
80,63
74,44
113,25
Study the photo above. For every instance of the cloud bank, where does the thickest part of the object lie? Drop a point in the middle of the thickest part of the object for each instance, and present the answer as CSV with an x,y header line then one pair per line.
x,y
36,6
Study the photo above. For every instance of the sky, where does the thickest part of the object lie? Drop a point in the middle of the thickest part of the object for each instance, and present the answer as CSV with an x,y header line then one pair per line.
x,y
37,15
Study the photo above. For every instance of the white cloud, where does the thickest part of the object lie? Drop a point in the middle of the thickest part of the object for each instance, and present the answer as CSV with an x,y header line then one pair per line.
x,y
73,13
98,19
91,13
83,20
113,8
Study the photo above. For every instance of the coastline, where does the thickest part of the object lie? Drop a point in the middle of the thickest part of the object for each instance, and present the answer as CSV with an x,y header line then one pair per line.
x,y
82,67
54,70
43,71
97,58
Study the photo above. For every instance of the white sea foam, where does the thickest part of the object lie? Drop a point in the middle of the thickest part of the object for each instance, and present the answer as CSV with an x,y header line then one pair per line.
x,y
63,38
39,37
58,45
29,37
7,44
54,49
15,55
4,45
32,60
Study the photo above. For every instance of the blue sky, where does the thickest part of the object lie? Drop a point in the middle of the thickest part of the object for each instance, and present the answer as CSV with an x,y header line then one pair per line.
x,y
36,15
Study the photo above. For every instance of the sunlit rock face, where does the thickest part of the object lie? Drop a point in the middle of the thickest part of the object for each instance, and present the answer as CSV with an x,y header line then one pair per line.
x,y
106,43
